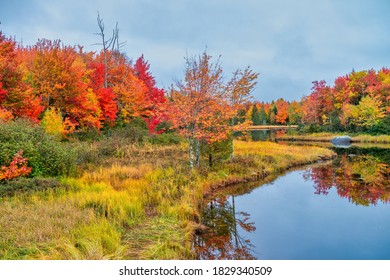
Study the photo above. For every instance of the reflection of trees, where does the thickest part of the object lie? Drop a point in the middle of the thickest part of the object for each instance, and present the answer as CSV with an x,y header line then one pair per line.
x,y
260,135
280,132
221,240
363,179
266,135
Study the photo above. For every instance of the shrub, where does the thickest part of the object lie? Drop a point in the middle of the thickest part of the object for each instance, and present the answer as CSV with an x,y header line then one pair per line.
x,y
382,127
165,139
87,134
28,185
46,155
18,167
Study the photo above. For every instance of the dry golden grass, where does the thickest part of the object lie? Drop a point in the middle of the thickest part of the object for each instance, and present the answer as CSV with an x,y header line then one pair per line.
x,y
327,137
273,157
25,223
372,139
30,227
299,154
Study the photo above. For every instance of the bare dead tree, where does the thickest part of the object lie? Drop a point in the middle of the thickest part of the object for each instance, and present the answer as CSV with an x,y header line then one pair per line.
x,y
110,45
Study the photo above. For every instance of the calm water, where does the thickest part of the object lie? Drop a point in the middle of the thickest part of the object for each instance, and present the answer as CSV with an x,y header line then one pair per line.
x,y
264,134
335,210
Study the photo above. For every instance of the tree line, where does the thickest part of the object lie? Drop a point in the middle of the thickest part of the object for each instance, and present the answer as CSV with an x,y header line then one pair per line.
x,y
356,102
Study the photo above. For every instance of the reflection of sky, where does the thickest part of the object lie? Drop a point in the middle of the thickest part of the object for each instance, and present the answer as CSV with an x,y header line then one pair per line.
x,y
294,223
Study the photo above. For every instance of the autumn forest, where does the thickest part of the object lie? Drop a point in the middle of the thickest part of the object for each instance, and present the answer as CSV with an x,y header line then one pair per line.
x,y
87,90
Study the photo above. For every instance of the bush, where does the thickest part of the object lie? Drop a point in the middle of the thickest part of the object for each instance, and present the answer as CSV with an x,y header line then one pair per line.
x,y
46,155
128,133
217,152
87,134
164,139
27,185
382,127
311,128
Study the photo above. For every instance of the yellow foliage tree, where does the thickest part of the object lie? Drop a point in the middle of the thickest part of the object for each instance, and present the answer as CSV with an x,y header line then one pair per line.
x,y
54,125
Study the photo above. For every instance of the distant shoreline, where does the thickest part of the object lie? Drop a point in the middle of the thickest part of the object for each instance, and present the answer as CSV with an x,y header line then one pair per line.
x,y
327,137
266,127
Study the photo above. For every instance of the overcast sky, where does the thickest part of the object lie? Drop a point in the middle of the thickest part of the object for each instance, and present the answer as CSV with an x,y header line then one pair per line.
x,y
290,43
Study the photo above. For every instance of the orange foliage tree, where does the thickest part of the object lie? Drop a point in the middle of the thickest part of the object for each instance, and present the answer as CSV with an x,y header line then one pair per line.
x,y
201,107
129,91
282,113
58,74
16,96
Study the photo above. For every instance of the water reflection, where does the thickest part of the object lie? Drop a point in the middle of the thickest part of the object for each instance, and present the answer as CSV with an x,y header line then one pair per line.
x,y
363,179
322,200
266,134
261,134
221,239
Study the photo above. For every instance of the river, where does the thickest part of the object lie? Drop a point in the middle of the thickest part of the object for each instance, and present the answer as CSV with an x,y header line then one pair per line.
x,y
335,210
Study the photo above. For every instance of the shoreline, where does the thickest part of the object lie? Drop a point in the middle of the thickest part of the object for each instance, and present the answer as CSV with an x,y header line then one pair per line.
x,y
273,127
327,137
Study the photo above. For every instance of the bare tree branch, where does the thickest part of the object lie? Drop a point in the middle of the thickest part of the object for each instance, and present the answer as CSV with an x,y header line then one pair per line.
x,y
110,45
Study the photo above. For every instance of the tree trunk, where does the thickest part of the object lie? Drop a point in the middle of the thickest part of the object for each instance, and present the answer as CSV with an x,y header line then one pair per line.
x,y
232,124
232,147
192,152
197,162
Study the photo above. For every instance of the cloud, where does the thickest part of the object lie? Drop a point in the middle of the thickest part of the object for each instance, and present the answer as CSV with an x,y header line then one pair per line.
x,y
291,43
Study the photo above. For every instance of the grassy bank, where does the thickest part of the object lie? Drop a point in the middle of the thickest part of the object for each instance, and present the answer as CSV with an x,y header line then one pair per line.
x,y
140,202
326,137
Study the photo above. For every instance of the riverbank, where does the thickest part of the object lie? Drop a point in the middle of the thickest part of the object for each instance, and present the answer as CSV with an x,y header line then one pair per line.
x,y
139,203
327,137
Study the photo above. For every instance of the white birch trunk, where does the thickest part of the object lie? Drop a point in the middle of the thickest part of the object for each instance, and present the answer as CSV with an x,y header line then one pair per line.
x,y
192,152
